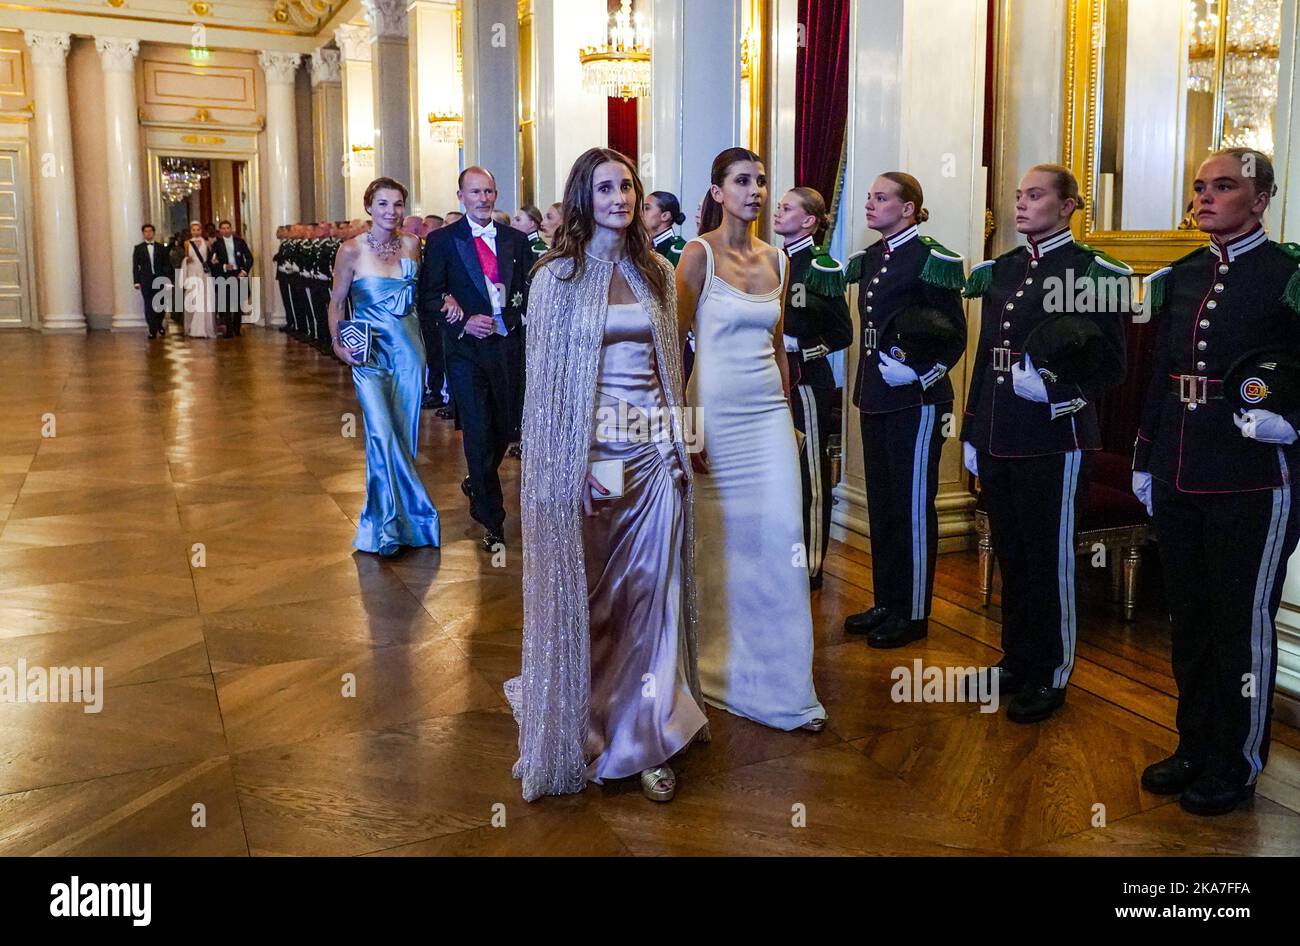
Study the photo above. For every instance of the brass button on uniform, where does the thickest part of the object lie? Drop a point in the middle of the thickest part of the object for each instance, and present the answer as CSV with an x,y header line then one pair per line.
x,y
1191,405
1201,346
1212,304
1200,366
1204,323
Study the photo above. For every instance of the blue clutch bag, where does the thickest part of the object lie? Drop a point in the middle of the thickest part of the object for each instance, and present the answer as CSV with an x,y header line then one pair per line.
x,y
355,337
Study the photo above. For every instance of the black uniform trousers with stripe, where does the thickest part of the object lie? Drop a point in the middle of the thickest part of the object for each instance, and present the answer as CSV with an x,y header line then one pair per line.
x,y
1032,505
1224,558
901,451
811,408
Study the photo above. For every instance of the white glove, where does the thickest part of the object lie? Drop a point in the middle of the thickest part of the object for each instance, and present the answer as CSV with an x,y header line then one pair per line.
x,y
1028,383
895,373
1142,489
968,458
1265,426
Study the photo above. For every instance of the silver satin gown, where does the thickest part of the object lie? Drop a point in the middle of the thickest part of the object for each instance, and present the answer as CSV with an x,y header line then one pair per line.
x,y
641,708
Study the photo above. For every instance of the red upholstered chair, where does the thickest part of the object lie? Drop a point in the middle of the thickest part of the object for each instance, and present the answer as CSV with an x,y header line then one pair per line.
x,y
1109,515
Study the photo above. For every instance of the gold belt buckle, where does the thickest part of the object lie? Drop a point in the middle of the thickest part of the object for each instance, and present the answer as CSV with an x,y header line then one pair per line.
x,y
1193,388
1002,359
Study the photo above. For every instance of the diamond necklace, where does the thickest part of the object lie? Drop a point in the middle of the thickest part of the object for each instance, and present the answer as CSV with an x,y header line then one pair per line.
x,y
385,251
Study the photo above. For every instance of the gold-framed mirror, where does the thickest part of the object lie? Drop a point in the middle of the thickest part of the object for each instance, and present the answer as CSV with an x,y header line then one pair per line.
x,y
1151,88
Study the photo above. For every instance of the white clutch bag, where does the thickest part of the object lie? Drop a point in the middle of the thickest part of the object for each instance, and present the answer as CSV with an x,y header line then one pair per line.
x,y
609,473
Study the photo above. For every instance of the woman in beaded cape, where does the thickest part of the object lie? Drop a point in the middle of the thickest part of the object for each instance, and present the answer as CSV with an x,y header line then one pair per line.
x,y
609,687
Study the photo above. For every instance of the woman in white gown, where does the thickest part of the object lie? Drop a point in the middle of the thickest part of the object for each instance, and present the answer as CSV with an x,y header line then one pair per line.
x,y
200,320
755,620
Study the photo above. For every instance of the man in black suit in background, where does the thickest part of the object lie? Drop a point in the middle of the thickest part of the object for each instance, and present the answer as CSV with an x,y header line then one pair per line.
x,y
474,283
231,262
152,274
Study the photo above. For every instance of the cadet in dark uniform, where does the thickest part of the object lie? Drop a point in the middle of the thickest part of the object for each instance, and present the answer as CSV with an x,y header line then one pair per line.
x,y
903,402
1025,434
660,213
1221,481
282,276
816,323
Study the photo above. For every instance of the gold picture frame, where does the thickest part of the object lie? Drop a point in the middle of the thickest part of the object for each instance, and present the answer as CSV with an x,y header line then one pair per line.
x,y
1145,250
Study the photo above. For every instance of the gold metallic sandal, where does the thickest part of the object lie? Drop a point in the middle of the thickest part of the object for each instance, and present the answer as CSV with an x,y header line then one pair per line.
x,y
653,780
814,725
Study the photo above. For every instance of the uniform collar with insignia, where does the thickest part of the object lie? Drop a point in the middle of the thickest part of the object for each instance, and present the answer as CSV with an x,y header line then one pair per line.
x,y
534,236
800,244
1239,246
665,237
1039,248
898,239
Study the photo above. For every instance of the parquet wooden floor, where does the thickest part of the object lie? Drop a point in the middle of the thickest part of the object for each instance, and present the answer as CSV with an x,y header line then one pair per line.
x,y
224,673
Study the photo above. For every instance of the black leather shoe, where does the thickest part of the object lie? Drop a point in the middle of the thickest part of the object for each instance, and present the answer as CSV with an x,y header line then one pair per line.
x,y
1035,704
464,486
1009,684
1170,776
866,621
491,541
1214,795
897,632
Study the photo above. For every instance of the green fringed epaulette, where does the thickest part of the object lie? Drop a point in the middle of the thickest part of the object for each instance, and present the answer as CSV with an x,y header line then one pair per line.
x,y
674,251
1154,289
1103,264
825,275
981,276
853,269
1291,294
943,268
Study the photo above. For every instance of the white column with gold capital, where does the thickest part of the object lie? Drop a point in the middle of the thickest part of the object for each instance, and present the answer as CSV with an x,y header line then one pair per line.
x,y
60,253
916,101
392,94
358,114
282,158
696,63
435,90
327,131
117,57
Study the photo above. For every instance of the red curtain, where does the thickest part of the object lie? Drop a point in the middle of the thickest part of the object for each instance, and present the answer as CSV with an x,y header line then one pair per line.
x,y
822,94
622,127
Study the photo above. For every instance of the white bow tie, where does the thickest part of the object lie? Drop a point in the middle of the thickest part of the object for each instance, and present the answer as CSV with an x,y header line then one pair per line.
x,y
489,231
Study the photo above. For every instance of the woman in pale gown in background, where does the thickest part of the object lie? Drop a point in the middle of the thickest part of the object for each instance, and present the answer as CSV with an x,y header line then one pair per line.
x,y
200,319
609,688
756,640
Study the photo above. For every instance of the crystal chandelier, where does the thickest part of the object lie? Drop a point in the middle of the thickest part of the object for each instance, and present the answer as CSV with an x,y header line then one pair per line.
x,y
446,127
1250,66
181,177
619,67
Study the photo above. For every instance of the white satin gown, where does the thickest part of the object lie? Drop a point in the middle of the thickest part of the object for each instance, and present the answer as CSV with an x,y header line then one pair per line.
x,y
755,619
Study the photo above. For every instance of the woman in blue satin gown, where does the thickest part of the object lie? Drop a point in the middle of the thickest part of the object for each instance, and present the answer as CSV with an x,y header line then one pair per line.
x,y
377,269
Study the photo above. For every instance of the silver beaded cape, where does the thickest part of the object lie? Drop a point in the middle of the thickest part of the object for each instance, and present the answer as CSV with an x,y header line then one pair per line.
x,y
566,324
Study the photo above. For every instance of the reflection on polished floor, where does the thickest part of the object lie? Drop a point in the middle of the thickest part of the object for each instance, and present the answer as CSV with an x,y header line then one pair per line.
x,y
224,680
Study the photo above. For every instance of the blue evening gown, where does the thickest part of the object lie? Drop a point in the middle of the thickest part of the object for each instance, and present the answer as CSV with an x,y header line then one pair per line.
x,y
390,388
